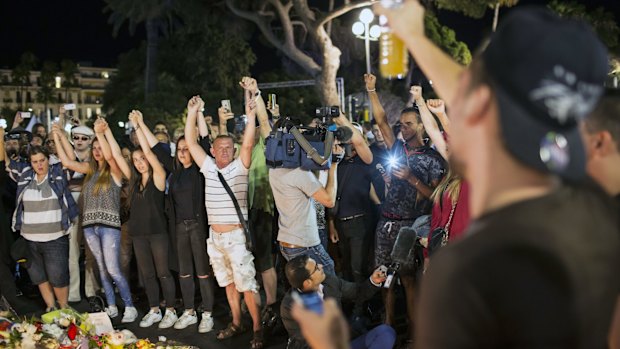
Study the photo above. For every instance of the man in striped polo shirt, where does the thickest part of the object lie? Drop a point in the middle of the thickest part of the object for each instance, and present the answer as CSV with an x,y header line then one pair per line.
x,y
232,263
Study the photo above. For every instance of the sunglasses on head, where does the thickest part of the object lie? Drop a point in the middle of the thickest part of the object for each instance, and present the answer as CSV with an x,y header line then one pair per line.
x,y
77,138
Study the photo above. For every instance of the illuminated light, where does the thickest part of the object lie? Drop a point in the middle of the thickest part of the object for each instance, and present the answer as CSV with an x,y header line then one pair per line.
x,y
58,81
366,16
105,75
121,124
375,31
358,28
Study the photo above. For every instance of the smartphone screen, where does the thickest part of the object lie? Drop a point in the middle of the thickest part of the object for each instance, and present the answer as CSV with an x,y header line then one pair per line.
x,y
226,104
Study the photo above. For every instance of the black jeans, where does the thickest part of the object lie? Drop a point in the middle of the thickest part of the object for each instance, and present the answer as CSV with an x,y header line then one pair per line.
x,y
355,239
152,257
192,252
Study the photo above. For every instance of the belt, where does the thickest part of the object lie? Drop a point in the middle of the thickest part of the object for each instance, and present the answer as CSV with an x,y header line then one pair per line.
x,y
395,217
351,217
287,245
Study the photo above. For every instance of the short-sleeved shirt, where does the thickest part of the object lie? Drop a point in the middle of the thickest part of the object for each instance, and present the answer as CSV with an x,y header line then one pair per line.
x,y
540,273
402,199
220,208
42,213
293,190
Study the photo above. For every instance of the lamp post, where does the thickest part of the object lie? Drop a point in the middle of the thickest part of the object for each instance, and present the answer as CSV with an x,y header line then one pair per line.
x,y
363,30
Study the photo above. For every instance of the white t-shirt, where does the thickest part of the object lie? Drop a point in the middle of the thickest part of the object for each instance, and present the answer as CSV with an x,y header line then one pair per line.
x,y
220,208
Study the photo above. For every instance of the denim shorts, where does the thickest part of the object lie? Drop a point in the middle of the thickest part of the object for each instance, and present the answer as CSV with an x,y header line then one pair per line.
x,y
317,253
50,262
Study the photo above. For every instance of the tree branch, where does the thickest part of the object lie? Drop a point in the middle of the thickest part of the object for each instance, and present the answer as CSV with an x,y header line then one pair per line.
x,y
350,6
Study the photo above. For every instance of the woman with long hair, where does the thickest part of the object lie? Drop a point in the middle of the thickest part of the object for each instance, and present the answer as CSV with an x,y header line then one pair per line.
x,y
101,213
148,230
187,220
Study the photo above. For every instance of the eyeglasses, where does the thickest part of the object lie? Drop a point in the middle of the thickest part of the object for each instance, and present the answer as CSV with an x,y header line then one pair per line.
x,y
316,268
83,139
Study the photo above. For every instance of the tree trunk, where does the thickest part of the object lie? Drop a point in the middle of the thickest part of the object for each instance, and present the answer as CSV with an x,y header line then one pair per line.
x,y
496,16
150,71
326,81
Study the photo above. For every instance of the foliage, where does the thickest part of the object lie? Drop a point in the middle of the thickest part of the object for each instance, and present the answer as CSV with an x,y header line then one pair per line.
x,y
446,39
473,8
601,20
47,80
21,74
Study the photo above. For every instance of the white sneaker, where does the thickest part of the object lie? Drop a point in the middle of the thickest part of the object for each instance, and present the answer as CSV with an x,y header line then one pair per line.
x,y
130,315
206,324
150,318
112,311
185,320
169,319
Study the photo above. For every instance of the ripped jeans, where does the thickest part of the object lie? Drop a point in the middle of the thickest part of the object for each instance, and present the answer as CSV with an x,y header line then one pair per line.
x,y
105,244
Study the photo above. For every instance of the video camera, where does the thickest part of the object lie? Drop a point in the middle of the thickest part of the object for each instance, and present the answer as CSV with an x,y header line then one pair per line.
x,y
310,148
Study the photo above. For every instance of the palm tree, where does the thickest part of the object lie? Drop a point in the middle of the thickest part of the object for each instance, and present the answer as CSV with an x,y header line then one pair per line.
x,y
21,74
68,70
158,18
45,94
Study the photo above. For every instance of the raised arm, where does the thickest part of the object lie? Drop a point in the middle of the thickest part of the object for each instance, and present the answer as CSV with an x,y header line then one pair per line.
x,y
198,154
408,23
377,110
117,154
250,84
250,130
150,137
159,173
430,125
203,129
100,127
68,162
224,116
437,107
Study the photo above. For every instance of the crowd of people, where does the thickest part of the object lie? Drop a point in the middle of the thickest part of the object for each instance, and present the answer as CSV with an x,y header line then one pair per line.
x,y
492,208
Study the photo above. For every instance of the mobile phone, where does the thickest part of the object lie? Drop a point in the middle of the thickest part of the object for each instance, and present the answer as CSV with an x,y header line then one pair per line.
x,y
226,105
272,99
25,114
70,106
240,123
310,300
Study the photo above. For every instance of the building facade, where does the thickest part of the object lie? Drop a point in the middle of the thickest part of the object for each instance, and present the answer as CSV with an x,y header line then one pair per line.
x,y
86,93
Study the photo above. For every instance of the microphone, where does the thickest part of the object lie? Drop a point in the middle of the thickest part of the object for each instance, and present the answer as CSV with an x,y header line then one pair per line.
x,y
343,134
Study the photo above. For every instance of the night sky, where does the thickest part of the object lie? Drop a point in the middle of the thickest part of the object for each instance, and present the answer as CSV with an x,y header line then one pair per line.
x,y
78,30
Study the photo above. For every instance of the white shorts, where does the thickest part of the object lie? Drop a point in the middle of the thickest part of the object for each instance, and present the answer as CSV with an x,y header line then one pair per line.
x,y
231,261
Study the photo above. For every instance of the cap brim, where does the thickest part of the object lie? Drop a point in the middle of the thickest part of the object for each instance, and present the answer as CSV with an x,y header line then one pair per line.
x,y
523,137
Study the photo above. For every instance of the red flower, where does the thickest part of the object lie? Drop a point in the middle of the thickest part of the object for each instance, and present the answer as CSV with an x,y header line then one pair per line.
x,y
72,331
100,344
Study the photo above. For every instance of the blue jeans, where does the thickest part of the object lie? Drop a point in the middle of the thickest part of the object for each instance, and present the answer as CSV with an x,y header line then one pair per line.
x,y
105,244
380,337
317,253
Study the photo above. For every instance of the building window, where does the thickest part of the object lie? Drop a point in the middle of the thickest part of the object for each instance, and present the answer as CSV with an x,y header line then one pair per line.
x,y
89,112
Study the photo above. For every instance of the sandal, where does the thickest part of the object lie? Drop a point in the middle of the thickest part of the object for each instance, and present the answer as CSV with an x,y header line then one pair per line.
x,y
230,331
258,342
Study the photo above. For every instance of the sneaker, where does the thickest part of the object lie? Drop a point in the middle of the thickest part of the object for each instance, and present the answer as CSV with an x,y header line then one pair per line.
x,y
112,311
150,318
169,319
206,324
130,315
185,320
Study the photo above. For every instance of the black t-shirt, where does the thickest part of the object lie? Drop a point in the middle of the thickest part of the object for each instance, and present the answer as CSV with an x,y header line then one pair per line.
x,y
182,191
354,178
379,156
541,273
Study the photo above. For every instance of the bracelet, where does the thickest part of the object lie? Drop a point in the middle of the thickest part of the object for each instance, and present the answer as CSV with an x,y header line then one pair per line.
x,y
372,90
416,183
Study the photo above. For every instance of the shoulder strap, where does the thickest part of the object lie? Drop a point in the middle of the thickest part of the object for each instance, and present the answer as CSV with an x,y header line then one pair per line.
x,y
447,228
242,220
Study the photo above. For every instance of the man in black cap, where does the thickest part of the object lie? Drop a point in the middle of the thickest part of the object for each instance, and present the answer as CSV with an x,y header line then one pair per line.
x,y
539,265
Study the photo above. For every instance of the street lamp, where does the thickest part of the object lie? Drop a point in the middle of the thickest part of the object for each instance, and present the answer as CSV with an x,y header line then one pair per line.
x,y
363,30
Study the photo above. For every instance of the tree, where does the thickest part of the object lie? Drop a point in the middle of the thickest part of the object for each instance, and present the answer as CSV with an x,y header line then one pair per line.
x,y
158,18
47,82
476,8
445,38
68,70
21,74
296,14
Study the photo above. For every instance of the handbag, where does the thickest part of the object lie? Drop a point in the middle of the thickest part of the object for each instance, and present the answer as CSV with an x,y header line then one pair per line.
x,y
249,239
439,237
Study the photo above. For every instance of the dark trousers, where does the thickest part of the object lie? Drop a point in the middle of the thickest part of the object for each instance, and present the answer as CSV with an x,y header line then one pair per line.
x,y
354,245
152,257
192,252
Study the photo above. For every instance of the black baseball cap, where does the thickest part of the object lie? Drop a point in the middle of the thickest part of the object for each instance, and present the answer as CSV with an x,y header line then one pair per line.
x,y
548,74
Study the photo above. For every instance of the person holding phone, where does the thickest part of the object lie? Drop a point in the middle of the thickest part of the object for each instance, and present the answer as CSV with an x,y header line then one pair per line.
x,y
311,285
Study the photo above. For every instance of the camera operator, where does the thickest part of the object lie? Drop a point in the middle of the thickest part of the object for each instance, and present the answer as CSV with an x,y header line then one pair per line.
x,y
307,276
415,170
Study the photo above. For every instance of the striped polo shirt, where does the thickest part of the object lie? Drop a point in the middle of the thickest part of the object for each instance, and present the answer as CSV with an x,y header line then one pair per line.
x,y
42,213
220,208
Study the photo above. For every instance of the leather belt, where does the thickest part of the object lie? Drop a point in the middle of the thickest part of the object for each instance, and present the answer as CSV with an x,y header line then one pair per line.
x,y
351,217
287,245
